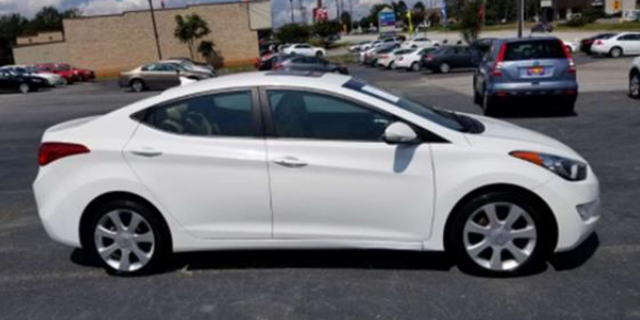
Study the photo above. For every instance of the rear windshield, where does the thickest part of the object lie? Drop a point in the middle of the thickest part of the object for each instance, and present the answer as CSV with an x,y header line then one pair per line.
x,y
535,49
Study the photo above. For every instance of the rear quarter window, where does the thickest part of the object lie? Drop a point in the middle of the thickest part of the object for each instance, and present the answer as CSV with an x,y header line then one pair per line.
x,y
538,49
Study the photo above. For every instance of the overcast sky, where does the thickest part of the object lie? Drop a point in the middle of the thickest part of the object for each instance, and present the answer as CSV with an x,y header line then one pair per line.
x,y
281,8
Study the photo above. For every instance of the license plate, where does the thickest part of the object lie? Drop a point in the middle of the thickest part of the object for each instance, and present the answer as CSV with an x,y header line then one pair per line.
x,y
535,71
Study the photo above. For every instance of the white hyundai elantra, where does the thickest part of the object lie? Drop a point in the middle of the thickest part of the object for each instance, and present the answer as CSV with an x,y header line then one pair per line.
x,y
307,160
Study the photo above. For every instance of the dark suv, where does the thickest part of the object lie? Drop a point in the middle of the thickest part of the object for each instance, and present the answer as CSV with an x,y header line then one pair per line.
x,y
526,68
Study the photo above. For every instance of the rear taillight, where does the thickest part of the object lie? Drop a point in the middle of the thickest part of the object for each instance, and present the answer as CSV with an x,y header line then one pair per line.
x,y
385,56
567,53
277,66
598,43
52,151
497,67
428,57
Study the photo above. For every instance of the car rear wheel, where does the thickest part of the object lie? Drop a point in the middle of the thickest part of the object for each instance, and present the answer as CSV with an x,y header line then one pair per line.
x,y
488,104
634,85
137,85
444,67
127,237
415,66
392,65
615,52
24,88
319,54
499,233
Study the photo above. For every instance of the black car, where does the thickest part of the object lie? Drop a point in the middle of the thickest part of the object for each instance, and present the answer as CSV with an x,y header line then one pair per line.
x,y
542,27
585,44
13,82
483,45
447,58
268,62
303,63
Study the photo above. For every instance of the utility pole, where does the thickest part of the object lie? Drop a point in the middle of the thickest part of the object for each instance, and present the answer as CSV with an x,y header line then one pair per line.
x,y
520,17
155,30
292,19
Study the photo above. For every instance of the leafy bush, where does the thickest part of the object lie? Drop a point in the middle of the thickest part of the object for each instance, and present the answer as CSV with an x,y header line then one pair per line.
x,y
293,33
327,31
577,21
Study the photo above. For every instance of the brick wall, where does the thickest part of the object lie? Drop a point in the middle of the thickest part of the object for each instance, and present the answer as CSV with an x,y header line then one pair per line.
x,y
42,37
113,43
41,53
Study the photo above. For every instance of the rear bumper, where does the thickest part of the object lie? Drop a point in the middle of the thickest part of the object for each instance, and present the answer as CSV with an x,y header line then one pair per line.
x,y
567,89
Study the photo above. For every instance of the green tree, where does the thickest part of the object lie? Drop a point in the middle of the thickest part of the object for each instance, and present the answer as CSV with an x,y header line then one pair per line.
x,y
419,6
470,21
326,30
365,23
11,27
190,29
207,50
293,33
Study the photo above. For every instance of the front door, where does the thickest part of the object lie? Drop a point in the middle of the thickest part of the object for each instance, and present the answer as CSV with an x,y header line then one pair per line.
x,y
333,177
204,160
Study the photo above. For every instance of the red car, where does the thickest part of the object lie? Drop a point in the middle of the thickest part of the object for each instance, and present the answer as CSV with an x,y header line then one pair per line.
x,y
66,71
82,74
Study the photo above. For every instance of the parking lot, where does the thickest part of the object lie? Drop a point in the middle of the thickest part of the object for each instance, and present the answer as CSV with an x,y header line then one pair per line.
x,y
40,279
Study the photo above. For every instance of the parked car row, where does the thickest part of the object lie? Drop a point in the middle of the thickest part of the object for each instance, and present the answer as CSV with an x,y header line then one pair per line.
x,y
505,69
288,62
24,79
164,74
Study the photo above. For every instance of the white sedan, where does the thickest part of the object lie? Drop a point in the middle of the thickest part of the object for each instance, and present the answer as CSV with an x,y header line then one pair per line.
x,y
304,49
420,42
626,43
387,60
309,161
412,61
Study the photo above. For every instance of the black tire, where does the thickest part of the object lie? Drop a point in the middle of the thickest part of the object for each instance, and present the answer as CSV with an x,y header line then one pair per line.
x,y
489,105
568,108
319,54
616,52
24,88
415,67
634,85
162,246
545,240
137,85
477,98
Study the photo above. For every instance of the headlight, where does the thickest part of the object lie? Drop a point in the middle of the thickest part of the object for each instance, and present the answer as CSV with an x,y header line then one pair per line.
x,y
568,169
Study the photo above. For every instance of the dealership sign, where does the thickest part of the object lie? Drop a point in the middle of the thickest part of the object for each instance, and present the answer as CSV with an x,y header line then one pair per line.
x,y
386,21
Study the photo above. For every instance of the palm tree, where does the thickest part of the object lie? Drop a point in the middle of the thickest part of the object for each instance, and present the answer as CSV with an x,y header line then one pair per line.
x,y
207,50
190,29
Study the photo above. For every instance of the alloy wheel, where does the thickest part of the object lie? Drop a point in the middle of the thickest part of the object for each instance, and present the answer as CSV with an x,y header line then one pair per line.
x,y
137,86
616,52
415,67
124,240
500,236
24,88
445,68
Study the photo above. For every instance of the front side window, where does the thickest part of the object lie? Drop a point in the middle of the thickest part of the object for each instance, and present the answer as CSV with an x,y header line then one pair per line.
x,y
307,115
224,114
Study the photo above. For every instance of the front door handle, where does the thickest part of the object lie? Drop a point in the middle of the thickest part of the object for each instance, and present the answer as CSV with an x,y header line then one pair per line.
x,y
291,162
146,152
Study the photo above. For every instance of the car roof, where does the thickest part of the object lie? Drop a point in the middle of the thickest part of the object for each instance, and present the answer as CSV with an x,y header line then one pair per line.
x,y
272,78
513,40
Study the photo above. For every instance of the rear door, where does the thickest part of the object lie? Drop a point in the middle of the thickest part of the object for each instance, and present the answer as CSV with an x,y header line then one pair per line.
x,y
535,61
630,43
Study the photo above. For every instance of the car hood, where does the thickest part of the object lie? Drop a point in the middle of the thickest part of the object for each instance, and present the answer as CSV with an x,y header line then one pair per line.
x,y
510,137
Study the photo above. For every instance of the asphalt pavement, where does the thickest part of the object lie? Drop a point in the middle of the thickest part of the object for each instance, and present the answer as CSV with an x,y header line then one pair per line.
x,y
40,279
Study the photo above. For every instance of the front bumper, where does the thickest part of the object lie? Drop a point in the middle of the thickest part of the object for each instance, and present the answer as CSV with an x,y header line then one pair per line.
x,y
576,207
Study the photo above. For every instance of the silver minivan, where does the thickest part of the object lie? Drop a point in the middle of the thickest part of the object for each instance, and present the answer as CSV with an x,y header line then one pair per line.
x,y
526,68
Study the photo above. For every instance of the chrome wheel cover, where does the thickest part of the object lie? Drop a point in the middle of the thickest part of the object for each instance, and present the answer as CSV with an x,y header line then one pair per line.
x,y
137,86
24,88
500,236
124,240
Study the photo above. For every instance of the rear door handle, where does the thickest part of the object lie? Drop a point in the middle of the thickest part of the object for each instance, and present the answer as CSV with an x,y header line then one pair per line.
x,y
291,162
146,152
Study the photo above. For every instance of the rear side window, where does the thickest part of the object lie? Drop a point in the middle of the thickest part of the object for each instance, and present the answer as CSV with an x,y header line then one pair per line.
x,y
536,49
224,114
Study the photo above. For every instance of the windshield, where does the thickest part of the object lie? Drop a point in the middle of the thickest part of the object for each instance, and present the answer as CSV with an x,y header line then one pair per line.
x,y
444,118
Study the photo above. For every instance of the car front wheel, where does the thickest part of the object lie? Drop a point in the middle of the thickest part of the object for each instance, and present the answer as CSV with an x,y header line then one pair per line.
x,y
24,88
415,67
499,233
127,237
634,85
615,52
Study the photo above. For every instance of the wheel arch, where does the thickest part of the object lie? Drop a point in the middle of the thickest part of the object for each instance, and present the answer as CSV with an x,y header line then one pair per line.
x,y
137,79
552,222
118,195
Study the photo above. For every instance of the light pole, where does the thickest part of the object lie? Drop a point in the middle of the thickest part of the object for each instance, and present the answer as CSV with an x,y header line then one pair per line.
x,y
155,30
520,17
292,19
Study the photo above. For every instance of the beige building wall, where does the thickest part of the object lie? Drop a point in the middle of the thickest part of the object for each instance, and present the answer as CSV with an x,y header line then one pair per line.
x,y
113,43
43,37
41,53
110,44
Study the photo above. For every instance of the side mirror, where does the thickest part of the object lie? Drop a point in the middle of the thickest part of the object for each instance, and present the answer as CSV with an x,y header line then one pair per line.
x,y
400,133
